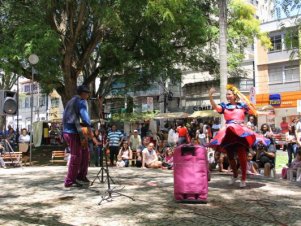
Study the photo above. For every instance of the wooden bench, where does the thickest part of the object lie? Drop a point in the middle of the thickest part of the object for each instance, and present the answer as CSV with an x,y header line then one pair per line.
x,y
59,156
12,158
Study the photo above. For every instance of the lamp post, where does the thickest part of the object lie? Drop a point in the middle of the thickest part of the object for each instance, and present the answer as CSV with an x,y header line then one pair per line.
x,y
33,59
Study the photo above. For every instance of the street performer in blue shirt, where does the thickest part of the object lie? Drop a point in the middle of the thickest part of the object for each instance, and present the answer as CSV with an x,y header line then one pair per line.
x,y
77,129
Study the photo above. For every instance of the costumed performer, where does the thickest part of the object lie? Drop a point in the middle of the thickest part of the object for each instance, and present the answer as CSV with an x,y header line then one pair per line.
x,y
76,137
236,137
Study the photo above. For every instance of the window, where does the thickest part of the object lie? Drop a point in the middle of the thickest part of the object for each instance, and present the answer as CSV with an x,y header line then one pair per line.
x,y
275,75
245,85
291,73
276,43
284,74
26,88
291,40
55,102
42,100
27,102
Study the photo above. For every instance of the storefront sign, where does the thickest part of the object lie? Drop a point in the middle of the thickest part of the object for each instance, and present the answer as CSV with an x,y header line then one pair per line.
x,y
275,99
299,106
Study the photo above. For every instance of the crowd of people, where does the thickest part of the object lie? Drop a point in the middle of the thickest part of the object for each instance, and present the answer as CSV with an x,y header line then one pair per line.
x,y
238,146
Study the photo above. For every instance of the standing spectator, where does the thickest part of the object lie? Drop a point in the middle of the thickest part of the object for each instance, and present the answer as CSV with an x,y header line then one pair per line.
x,y
284,129
135,141
216,126
172,136
144,130
183,133
201,136
115,139
298,131
97,148
284,125
291,144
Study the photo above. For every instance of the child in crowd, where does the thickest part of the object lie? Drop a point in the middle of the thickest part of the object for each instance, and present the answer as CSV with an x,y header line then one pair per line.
x,y
125,154
139,158
250,165
168,159
291,172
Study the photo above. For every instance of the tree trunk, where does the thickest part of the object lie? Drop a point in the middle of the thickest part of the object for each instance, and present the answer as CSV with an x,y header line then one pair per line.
x,y
223,50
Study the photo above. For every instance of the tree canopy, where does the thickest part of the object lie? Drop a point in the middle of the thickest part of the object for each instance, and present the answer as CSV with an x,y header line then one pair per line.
x,y
131,41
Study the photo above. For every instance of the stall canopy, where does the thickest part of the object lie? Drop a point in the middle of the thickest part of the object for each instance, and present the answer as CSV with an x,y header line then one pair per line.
x,y
204,114
171,115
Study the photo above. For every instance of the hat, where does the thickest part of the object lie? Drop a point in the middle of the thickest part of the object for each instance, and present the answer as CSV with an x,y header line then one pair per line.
x,y
135,131
83,89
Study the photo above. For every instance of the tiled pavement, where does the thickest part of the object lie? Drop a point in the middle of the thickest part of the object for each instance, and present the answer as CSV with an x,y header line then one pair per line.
x,y
36,196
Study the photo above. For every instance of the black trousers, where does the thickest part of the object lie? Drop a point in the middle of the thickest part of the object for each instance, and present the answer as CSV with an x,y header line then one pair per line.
x,y
113,153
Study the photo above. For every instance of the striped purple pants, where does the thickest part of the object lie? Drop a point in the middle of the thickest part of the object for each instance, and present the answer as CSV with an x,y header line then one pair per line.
x,y
79,160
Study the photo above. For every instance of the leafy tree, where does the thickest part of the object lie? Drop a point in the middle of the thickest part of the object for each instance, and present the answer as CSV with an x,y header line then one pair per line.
x,y
130,41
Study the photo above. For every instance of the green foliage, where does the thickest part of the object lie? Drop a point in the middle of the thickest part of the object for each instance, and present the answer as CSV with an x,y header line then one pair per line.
x,y
133,117
135,42
243,27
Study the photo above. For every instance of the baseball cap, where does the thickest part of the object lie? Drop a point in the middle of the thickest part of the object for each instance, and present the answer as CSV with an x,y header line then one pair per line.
x,y
83,89
135,131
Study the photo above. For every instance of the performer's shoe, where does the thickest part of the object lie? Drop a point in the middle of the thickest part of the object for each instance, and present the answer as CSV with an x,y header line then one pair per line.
x,y
232,180
74,185
242,184
83,181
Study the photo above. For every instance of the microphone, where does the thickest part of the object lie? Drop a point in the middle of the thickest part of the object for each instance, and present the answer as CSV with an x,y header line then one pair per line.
x,y
93,98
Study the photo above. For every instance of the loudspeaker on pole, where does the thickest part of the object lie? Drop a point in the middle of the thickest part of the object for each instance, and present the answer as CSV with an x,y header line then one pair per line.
x,y
8,102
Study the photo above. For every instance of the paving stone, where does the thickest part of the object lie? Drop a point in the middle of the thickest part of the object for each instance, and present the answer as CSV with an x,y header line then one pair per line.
x,y
36,196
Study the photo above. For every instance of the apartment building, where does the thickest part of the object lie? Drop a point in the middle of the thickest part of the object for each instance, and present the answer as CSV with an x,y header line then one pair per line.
x,y
278,69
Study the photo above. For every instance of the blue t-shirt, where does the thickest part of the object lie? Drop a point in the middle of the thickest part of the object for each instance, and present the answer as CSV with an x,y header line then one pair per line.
x,y
114,138
75,110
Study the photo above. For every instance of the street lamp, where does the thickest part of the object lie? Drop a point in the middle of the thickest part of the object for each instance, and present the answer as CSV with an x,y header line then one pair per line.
x,y
33,59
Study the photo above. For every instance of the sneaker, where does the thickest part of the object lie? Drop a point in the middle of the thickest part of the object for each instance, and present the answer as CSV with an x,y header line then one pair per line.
x,y
83,181
74,185
242,184
232,180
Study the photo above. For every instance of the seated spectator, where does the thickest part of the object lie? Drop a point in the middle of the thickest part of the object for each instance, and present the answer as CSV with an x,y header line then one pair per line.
x,y
144,144
292,170
150,158
125,153
24,140
266,159
11,137
24,137
251,169
2,163
222,161
168,159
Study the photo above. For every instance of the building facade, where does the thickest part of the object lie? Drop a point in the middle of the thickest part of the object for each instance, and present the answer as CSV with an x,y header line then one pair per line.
x,y
278,69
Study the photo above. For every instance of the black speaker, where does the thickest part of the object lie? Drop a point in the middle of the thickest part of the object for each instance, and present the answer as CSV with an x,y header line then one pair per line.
x,y
8,102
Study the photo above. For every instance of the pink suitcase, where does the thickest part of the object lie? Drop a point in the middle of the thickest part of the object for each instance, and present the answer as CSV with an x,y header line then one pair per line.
x,y
191,174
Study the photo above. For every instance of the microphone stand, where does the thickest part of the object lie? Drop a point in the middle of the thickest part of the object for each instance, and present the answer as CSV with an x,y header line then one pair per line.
x,y
109,193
